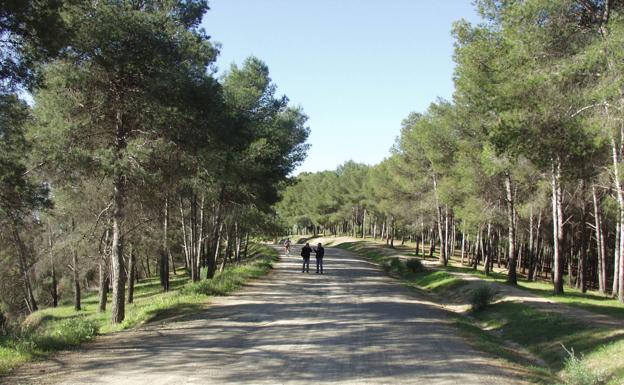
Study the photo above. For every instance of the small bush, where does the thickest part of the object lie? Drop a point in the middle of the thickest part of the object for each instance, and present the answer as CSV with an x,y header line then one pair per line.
x,y
392,265
575,372
385,265
397,265
481,297
414,265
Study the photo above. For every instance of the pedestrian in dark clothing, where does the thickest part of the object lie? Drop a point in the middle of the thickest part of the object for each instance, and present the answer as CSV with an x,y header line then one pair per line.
x,y
320,253
305,253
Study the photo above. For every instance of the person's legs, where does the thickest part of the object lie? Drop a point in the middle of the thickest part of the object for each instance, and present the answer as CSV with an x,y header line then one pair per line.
x,y
318,263
303,267
307,264
321,263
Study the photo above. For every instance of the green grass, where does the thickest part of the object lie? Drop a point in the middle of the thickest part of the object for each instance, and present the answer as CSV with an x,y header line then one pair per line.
x,y
546,334
59,328
496,346
591,301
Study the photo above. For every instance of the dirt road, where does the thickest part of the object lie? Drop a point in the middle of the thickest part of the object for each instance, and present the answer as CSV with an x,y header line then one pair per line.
x,y
351,325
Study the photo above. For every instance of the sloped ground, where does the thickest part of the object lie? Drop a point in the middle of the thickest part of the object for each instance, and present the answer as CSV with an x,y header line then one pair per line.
x,y
352,325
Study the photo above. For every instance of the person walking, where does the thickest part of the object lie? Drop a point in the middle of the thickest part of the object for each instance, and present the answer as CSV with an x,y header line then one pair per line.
x,y
305,253
287,246
320,253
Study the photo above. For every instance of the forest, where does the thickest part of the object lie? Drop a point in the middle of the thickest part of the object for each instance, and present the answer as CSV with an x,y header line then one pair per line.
x,y
125,155
522,168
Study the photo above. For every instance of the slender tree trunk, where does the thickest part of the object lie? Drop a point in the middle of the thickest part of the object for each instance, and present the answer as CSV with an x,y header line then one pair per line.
x,y
119,202
29,297
600,243
103,284
218,247
76,279
164,253
463,245
557,206
200,235
131,274
214,255
364,224
187,255
440,230
511,220
582,266
237,238
488,252
52,268
446,233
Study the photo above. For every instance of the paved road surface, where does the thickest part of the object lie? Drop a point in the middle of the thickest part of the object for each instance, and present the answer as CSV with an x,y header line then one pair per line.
x,y
352,325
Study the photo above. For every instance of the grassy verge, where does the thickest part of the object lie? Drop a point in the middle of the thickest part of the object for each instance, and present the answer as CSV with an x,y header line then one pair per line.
x,y
53,329
598,352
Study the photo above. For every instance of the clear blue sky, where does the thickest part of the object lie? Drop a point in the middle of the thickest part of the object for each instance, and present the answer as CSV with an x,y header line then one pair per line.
x,y
357,67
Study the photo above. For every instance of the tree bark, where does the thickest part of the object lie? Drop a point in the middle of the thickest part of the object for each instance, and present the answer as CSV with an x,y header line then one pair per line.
x,y
52,268
557,207
442,257
511,223
131,274
76,279
600,243
119,202
29,297
164,253
103,285
488,252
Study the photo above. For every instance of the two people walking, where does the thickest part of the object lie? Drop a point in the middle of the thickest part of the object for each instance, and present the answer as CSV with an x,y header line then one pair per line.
x,y
306,251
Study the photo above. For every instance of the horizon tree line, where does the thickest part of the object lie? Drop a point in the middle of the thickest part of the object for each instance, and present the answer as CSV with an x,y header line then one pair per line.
x,y
522,168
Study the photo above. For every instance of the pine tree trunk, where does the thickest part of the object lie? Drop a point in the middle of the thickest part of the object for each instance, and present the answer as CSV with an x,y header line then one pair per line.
x,y
76,280
600,244
214,253
488,252
511,219
616,260
103,284
581,281
200,236
422,237
119,202
446,232
52,269
29,297
463,245
557,206
442,257
131,274
164,252
187,255
246,245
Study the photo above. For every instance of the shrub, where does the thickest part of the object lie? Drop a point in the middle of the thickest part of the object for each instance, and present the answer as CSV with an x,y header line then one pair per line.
x,y
481,297
576,372
414,265
392,265
385,265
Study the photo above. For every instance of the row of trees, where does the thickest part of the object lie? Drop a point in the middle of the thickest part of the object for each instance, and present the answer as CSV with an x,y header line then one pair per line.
x,y
523,167
134,156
